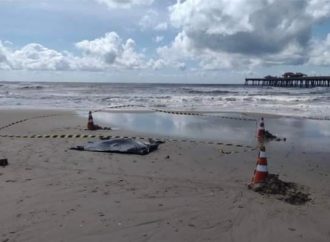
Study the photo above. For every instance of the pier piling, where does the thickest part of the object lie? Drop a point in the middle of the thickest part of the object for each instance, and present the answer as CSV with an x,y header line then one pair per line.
x,y
303,82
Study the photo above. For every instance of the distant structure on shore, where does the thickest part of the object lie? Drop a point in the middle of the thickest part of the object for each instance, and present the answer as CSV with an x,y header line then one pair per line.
x,y
290,79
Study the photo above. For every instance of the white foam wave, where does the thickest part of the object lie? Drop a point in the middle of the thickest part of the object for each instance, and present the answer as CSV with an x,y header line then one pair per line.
x,y
292,102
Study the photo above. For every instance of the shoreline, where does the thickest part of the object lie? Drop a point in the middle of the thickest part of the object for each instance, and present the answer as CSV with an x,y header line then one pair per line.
x,y
154,109
309,103
183,191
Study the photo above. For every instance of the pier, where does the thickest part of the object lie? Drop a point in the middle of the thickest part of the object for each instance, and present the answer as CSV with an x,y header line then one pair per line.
x,y
303,82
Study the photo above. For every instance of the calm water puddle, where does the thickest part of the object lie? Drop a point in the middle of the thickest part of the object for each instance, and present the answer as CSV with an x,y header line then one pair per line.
x,y
307,134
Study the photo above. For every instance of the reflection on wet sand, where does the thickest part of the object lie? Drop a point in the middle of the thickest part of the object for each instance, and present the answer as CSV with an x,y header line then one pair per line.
x,y
302,132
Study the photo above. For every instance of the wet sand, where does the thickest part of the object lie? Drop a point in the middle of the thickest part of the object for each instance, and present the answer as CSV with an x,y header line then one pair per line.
x,y
182,192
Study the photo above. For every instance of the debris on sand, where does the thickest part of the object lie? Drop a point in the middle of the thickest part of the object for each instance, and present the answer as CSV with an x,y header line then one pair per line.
x,y
270,136
287,191
3,162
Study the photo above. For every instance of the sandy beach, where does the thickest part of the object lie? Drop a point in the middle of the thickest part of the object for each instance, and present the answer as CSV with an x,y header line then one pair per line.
x,y
184,191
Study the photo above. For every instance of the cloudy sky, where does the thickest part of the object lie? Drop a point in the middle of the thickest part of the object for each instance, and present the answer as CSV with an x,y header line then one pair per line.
x,y
214,41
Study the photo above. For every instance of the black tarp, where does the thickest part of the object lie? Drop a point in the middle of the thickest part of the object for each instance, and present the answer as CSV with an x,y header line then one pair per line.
x,y
122,145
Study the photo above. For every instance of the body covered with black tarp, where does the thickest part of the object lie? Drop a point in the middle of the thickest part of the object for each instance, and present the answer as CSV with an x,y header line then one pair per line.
x,y
122,145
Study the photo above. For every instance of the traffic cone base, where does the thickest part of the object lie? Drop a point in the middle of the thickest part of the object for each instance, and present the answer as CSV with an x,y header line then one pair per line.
x,y
90,124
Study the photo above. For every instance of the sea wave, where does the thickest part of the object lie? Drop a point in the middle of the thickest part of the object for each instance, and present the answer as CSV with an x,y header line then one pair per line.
x,y
295,102
210,92
32,87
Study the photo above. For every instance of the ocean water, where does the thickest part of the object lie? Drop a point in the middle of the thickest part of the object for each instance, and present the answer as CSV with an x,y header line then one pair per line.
x,y
312,103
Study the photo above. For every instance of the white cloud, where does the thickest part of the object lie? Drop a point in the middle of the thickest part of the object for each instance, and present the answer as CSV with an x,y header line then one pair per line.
x,y
157,64
148,21
181,48
32,57
130,58
112,50
213,16
162,63
178,52
161,26
320,54
182,66
37,57
109,44
158,39
4,64
124,3
151,21
243,33
101,54
318,9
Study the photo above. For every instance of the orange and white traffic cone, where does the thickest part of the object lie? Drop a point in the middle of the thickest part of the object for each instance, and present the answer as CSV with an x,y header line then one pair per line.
x,y
261,171
261,130
90,124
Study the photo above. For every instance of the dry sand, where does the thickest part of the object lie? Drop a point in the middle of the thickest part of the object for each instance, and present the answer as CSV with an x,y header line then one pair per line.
x,y
51,193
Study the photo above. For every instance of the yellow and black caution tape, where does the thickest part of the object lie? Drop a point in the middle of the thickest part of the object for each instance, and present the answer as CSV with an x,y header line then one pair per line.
x,y
27,119
117,107
12,124
236,151
177,112
202,114
105,137
307,117
59,136
190,113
